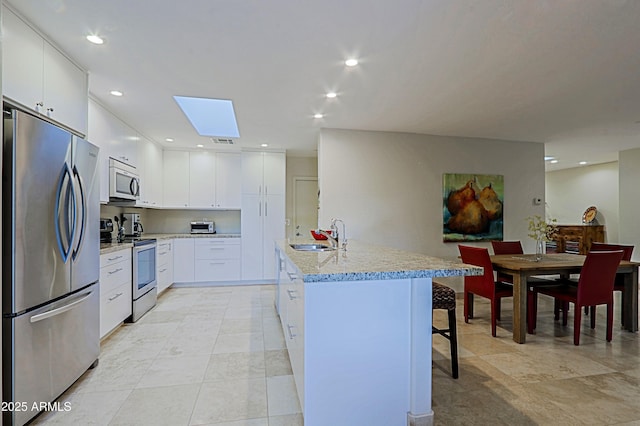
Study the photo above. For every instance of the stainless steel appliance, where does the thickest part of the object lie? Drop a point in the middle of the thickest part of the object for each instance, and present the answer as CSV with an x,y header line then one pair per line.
x,y
145,289
106,230
203,227
50,263
132,225
124,182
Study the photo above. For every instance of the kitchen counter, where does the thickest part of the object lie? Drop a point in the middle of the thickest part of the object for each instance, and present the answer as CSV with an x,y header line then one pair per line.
x,y
357,327
114,246
365,261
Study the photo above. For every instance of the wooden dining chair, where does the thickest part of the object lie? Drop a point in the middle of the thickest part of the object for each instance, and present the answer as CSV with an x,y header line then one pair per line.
x,y
619,283
506,247
483,285
595,287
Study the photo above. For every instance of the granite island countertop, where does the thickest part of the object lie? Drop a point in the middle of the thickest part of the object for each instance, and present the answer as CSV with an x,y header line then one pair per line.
x,y
365,261
115,246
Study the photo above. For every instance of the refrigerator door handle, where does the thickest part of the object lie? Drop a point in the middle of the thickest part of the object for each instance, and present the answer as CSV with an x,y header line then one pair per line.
x,y
83,212
60,310
64,244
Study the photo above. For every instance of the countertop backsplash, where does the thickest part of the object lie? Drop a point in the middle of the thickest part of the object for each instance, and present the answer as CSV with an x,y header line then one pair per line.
x,y
161,221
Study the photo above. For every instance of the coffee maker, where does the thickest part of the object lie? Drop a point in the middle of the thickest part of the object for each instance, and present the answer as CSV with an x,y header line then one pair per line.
x,y
106,228
131,224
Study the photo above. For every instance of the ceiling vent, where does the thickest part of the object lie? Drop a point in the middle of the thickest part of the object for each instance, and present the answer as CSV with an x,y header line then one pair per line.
x,y
223,141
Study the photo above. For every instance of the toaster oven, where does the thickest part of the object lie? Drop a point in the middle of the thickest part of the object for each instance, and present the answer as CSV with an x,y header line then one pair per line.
x,y
203,227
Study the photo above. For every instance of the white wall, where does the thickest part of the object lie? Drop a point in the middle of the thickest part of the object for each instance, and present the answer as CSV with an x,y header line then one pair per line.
x,y
387,187
570,192
629,164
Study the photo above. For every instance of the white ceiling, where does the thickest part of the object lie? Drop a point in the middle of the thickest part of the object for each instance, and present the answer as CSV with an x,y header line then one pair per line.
x,y
562,72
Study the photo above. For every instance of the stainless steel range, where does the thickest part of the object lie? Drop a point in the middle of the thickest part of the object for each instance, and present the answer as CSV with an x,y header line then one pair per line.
x,y
145,291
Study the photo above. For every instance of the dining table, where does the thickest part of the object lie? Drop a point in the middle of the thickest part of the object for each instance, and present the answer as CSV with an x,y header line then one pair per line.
x,y
522,266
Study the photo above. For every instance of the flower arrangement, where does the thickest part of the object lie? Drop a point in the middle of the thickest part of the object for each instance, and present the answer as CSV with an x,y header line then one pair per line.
x,y
541,229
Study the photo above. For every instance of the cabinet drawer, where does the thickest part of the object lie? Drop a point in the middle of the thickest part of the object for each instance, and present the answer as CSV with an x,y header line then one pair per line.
x,y
217,251
165,276
114,275
115,307
115,257
217,270
165,253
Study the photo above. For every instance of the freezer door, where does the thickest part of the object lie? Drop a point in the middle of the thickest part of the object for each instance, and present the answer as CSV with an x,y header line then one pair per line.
x,y
49,348
38,213
85,249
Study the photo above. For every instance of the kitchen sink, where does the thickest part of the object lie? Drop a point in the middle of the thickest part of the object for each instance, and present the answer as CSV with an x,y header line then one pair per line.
x,y
311,247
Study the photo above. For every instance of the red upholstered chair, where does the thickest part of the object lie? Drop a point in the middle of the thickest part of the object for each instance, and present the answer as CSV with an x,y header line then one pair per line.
x,y
595,287
482,285
619,283
506,247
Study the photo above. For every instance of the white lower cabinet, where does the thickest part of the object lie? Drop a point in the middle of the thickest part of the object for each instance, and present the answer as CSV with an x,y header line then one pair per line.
x,y
115,289
217,259
183,255
291,311
164,264
203,259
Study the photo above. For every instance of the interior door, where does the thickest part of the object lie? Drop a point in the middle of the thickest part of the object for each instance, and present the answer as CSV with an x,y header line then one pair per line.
x,y
305,205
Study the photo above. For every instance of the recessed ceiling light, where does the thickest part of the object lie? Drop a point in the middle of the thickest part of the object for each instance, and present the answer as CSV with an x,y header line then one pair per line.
x,y
264,145
582,163
351,62
169,139
200,145
116,93
95,39
331,95
553,161
318,115
210,117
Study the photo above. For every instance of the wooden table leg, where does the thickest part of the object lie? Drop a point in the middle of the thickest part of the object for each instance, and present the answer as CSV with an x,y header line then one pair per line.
x,y
631,300
519,308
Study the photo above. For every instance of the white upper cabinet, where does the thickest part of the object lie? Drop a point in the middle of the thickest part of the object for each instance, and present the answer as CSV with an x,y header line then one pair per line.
x,y
38,76
228,180
115,139
263,173
150,167
176,179
202,179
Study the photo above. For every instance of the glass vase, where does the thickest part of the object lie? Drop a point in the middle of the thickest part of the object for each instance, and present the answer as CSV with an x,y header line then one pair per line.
x,y
539,249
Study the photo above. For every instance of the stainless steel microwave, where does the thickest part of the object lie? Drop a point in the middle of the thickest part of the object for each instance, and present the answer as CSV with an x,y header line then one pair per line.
x,y
124,181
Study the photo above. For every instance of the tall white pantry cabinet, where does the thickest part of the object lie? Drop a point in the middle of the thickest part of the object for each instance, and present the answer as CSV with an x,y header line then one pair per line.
x,y
263,212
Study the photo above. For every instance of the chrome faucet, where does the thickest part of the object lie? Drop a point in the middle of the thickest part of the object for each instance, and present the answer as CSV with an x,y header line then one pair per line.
x,y
334,237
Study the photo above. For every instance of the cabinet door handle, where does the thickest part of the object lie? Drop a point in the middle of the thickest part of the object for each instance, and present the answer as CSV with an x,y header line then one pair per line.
x,y
292,335
292,277
163,270
216,263
114,271
113,258
265,209
260,208
216,248
292,294
115,297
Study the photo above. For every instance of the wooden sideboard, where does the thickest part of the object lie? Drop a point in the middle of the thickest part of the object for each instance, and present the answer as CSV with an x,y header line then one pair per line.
x,y
576,238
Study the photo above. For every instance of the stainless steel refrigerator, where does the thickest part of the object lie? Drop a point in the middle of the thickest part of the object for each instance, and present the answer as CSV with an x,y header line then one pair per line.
x,y
50,262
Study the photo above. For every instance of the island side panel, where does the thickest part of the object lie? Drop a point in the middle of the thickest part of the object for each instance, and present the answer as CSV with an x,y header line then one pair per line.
x,y
357,355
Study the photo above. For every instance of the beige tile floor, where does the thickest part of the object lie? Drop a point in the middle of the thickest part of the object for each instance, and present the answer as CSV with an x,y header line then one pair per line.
x,y
202,356
215,356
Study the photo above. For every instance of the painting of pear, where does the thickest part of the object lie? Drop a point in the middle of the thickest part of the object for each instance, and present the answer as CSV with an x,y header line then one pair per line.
x,y
491,203
471,213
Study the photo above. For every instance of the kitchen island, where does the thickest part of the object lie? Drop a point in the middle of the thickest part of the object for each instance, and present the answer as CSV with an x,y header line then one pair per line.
x,y
357,324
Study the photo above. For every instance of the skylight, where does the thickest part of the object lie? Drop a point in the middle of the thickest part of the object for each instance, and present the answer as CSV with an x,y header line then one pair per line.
x,y
210,117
